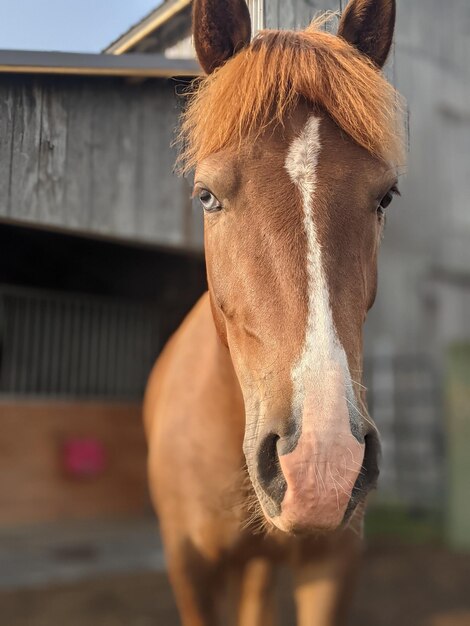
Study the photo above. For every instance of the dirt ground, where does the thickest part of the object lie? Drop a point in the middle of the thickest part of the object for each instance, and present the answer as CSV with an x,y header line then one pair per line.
x,y
400,585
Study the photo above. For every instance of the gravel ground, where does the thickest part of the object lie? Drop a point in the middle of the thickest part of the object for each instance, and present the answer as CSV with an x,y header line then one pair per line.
x,y
400,585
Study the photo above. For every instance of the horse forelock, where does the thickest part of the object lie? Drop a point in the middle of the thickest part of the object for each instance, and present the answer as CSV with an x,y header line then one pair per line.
x,y
261,85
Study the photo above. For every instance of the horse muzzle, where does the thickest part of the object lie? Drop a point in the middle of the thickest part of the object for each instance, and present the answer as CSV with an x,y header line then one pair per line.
x,y
310,476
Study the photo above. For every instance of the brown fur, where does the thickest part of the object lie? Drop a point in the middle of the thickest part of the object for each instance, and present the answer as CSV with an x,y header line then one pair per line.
x,y
223,29
362,21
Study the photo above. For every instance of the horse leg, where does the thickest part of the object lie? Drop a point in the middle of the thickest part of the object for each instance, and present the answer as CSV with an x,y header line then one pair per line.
x,y
208,595
196,585
325,580
256,601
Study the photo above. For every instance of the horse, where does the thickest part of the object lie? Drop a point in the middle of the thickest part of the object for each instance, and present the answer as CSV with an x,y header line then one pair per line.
x,y
261,452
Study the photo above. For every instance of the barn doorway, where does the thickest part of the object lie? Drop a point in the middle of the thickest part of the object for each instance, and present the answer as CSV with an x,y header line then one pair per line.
x,y
81,323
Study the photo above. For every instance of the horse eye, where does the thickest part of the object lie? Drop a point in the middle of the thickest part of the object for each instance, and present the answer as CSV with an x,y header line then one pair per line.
x,y
387,200
209,201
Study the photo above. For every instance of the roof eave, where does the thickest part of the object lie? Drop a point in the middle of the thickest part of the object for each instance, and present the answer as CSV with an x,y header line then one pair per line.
x,y
63,63
145,27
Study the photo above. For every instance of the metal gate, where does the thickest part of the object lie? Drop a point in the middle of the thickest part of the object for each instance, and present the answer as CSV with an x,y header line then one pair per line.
x,y
404,399
74,345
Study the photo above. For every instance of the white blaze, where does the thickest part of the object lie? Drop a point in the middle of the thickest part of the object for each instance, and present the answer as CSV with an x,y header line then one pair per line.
x,y
322,351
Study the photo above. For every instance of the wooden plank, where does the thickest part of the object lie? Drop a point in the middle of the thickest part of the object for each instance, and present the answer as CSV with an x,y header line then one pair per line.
x,y
7,116
114,157
25,153
286,14
306,11
52,155
33,484
271,14
124,208
105,158
296,13
78,190
160,212
458,436
320,6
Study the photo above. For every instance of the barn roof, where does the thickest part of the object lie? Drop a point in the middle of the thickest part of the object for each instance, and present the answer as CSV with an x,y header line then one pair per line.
x,y
148,25
143,65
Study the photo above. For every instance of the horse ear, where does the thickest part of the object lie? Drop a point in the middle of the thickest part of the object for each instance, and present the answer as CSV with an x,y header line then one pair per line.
x,y
220,29
368,25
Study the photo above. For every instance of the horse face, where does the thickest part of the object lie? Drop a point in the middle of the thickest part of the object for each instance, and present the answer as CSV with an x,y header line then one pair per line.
x,y
292,229
293,221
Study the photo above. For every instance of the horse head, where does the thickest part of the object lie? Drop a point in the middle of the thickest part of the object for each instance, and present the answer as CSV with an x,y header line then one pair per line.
x,y
296,139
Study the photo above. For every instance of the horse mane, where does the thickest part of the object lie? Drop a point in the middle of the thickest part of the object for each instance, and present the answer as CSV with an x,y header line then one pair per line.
x,y
258,88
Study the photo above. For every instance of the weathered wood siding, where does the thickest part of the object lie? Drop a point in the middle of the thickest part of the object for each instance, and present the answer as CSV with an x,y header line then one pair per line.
x,y
296,13
93,155
424,298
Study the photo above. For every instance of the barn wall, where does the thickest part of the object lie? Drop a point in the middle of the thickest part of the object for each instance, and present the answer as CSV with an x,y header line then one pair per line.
x,y
33,484
424,279
93,155
296,13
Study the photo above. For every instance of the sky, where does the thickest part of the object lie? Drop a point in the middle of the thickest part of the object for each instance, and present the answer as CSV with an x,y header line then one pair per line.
x,y
67,25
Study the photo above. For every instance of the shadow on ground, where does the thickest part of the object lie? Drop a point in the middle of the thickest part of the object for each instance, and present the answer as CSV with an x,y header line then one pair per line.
x,y
400,585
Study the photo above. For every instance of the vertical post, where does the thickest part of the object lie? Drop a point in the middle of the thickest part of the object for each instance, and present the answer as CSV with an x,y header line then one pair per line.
x,y
383,391
458,429
257,14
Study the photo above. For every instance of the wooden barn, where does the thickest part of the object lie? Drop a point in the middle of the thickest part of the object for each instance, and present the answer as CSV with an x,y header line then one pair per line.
x,y
101,257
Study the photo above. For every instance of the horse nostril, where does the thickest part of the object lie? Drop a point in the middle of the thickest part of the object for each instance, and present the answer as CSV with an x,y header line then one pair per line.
x,y
370,464
369,473
270,476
